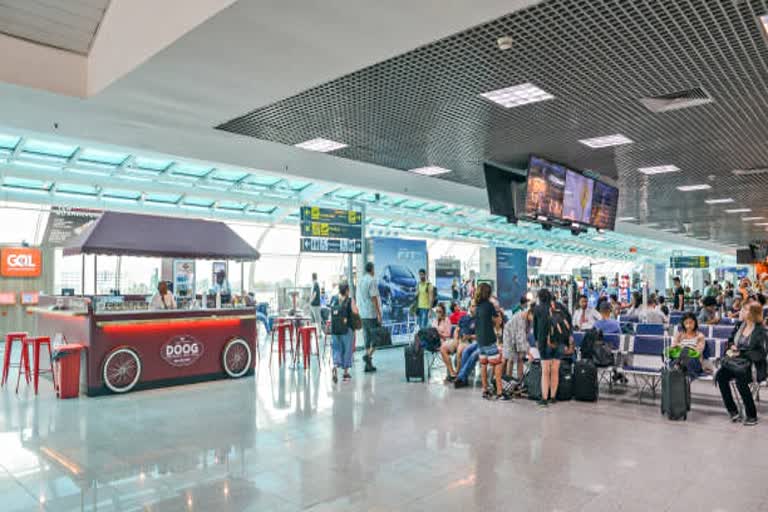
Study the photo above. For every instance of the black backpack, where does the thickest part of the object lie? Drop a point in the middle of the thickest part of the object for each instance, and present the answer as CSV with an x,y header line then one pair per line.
x,y
429,338
340,316
591,337
559,326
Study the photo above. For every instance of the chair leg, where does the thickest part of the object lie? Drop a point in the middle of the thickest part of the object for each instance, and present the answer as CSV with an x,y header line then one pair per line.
x,y
23,366
53,369
36,374
6,362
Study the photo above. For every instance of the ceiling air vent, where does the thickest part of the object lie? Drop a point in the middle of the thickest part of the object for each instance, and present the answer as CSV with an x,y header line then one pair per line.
x,y
677,100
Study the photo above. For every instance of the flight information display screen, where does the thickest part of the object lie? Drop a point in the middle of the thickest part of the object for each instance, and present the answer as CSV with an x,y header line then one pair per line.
x,y
545,189
605,203
577,198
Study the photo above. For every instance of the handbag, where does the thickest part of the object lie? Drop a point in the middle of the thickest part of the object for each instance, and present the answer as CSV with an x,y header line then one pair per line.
x,y
739,367
355,322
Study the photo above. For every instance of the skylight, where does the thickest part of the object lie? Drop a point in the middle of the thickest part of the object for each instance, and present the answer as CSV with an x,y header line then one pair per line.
x,y
692,188
431,170
724,200
517,95
321,145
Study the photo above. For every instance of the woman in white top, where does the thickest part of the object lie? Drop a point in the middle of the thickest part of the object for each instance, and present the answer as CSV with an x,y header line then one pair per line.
x,y
689,336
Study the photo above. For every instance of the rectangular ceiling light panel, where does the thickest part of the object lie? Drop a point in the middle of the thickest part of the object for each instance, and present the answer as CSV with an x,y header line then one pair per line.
x,y
692,188
321,145
749,219
739,210
750,172
607,141
517,95
724,200
431,170
658,169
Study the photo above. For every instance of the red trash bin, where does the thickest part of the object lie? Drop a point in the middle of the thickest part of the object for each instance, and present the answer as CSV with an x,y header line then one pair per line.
x,y
67,361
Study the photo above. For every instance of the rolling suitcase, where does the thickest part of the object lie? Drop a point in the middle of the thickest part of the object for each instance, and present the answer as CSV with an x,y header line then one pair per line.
x,y
585,386
533,381
675,394
414,363
565,387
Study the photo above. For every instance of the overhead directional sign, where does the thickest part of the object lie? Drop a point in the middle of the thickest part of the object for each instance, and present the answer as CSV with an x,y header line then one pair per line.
x,y
689,262
331,245
330,230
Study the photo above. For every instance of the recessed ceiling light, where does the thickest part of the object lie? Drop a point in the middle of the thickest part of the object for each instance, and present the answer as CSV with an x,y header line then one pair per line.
x,y
749,219
691,188
739,210
517,95
764,24
321,145
670,230
607,141
719,201
761,224
625,219
659,169
750,172
431,170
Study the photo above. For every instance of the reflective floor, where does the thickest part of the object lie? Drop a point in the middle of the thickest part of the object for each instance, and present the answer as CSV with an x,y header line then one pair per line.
x,y
289,440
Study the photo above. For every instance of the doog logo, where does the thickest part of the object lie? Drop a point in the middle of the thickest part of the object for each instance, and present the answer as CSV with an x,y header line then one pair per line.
x,y
182,351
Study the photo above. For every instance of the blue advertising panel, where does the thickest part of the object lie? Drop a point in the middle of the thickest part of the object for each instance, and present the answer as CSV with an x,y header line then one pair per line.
x,y
397,264
511,275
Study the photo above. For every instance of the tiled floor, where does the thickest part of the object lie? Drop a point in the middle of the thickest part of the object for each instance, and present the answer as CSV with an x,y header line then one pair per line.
x,y
291,441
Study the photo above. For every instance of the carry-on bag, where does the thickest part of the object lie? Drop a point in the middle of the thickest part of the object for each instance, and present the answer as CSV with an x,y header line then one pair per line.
x,y
585,385
414,362
565,386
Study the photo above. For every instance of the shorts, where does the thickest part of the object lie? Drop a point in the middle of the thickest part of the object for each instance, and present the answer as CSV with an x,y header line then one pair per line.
x,y
490,354
511,349
370,332
548,353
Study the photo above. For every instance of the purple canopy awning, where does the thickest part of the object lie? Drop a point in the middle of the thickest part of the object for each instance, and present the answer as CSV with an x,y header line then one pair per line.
x,y
128,234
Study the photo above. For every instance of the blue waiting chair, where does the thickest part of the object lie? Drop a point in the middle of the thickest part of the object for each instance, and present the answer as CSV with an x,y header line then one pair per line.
x,y
645,363
722,332
578,337
650,329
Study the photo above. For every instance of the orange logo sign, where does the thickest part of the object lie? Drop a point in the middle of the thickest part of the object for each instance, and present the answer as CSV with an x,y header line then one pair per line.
x,y
20,262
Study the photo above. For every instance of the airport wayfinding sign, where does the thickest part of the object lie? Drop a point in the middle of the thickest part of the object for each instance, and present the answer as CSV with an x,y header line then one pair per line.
x,y
330,230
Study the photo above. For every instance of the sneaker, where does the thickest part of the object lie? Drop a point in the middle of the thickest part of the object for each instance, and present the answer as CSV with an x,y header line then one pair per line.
x,y
367,359
487,395
449,379
504,397
541,403
750,422
347,377
553,401
335,376
735,417
458,383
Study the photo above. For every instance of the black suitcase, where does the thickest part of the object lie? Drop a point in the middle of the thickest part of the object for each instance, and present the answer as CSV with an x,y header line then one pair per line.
x,y
585,387
533,381
675,394
565,386
414,363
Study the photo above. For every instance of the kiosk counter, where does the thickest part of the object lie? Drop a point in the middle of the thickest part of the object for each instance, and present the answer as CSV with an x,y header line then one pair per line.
x,y
140,348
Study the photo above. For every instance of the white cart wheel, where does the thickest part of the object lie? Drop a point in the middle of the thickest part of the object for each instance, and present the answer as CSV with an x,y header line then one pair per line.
x,y
122,370
236,358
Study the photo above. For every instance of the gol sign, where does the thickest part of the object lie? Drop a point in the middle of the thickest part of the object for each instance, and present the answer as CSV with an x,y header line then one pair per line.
x,y
182,351
20,262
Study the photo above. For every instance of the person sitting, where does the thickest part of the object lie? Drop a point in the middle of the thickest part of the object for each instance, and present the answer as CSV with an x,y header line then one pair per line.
x,y
636,305
584,317
448,343
708,314
516,341
735,310
650,314
749,343
456,313
689,337
607,324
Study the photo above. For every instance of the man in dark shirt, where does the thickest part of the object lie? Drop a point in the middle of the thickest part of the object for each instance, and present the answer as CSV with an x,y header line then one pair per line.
x,y
314,304
679,295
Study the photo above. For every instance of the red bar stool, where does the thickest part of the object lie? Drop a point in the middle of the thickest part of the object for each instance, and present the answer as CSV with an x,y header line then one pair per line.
x,y
306,334
284,330
36,371
10,338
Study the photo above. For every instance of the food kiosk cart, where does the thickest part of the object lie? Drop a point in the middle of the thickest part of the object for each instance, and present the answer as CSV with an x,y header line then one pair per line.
x,y
130,346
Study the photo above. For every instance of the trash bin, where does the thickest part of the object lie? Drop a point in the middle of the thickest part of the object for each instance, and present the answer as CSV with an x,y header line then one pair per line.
x,y
67,361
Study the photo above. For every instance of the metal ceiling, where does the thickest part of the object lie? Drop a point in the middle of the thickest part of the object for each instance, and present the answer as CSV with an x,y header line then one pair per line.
x,y
598,58
68,25
58,172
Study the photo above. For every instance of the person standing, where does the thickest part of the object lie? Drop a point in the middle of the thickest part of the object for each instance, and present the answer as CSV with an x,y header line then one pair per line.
x,y
342,307
547,343
425,299
455,290
679,295
315,304
488,319
370,313
163,299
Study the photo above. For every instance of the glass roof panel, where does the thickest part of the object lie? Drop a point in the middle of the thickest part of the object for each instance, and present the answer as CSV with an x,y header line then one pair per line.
x,y
163,198
298,186
265,209
152,164
413,203
73,188
10,181
8,141
102,157
263,181
228,175
347,193
120,193
198,201
56,149
196,171
231,205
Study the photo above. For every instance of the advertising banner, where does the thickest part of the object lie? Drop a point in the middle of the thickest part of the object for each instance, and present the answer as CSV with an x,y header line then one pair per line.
x,y
447,279
64,223
397,271
511,275
20,262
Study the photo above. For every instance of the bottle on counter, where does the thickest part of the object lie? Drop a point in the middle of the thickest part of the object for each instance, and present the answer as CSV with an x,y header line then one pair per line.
x,y
218,300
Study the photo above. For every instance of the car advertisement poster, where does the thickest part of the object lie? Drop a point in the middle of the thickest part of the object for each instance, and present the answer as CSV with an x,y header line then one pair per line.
x,y
397,262
511,275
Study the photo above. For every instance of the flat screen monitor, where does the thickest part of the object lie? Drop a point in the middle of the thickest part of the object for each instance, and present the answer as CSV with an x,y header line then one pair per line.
x,y
30,298
545,189
577,197
744,257
605,203
68,292
759,251
503,188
